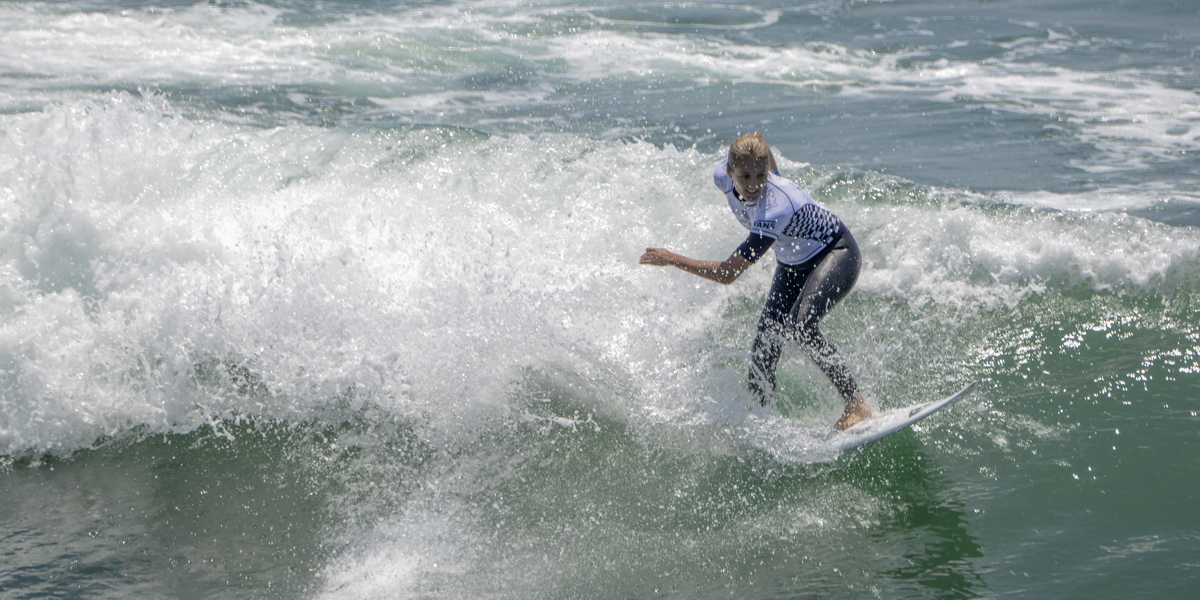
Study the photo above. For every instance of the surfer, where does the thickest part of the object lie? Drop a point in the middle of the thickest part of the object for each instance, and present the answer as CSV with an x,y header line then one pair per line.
x,y
817,262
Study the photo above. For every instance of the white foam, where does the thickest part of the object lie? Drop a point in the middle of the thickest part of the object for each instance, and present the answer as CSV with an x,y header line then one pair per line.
x,y
423,273
313,257
423,550
786,441
688,15
1128,117
962,255
1131,119
139,244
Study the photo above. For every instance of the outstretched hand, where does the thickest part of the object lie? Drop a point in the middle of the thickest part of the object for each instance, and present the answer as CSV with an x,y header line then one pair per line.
x,y
659,257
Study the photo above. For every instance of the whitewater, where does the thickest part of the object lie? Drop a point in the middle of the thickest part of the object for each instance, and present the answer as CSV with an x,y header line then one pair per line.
x,y
341,300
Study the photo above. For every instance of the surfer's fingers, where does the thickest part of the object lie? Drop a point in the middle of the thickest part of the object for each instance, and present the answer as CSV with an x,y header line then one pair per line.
x,y
654,256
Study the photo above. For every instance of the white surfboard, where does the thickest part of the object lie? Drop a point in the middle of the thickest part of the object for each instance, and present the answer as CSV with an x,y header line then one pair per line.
x,y
888,422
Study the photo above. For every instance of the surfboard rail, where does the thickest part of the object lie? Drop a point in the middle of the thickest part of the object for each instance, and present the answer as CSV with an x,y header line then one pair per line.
x,y
890,421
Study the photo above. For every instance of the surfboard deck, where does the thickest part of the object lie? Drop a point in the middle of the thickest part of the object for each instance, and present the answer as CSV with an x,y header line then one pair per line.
x,y
888,422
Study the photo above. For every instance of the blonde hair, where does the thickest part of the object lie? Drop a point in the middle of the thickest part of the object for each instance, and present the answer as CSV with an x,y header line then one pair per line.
x,y
747,148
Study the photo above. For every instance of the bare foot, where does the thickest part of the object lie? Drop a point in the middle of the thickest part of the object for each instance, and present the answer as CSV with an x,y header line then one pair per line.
x,y
856,412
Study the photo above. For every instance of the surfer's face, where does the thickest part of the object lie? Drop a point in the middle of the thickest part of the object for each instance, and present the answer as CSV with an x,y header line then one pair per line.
x,y
749,177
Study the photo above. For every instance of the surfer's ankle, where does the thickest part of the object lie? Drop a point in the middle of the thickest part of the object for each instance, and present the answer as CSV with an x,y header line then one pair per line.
x,y
857,410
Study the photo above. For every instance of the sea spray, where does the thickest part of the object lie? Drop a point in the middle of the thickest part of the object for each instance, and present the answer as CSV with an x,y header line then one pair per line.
x,y
344,302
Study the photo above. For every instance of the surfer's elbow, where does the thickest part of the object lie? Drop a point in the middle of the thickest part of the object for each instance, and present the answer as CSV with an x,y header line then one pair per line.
x,y
725,277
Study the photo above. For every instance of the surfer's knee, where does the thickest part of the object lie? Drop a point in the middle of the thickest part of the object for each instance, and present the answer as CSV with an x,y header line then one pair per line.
x,y
814,343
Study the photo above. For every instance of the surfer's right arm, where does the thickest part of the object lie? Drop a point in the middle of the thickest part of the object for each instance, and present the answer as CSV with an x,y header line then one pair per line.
x,y
724,273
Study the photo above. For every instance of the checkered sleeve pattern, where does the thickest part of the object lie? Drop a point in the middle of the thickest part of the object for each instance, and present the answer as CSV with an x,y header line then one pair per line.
x,y
814,223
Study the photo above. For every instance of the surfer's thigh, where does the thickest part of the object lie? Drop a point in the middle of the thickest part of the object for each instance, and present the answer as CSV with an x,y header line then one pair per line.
x,y
786,288
831,280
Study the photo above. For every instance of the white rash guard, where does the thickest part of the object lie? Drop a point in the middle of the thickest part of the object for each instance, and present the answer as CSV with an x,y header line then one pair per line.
x,y
784,217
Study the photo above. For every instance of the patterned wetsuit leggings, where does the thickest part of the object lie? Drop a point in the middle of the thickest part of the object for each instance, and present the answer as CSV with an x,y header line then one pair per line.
x,y
800,296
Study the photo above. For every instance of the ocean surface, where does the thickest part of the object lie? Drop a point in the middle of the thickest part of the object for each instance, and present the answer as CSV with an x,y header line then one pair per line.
x,y
340,300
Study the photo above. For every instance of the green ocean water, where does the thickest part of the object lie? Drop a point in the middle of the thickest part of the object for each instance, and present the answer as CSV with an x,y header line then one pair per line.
x,y
1050,481
341,301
